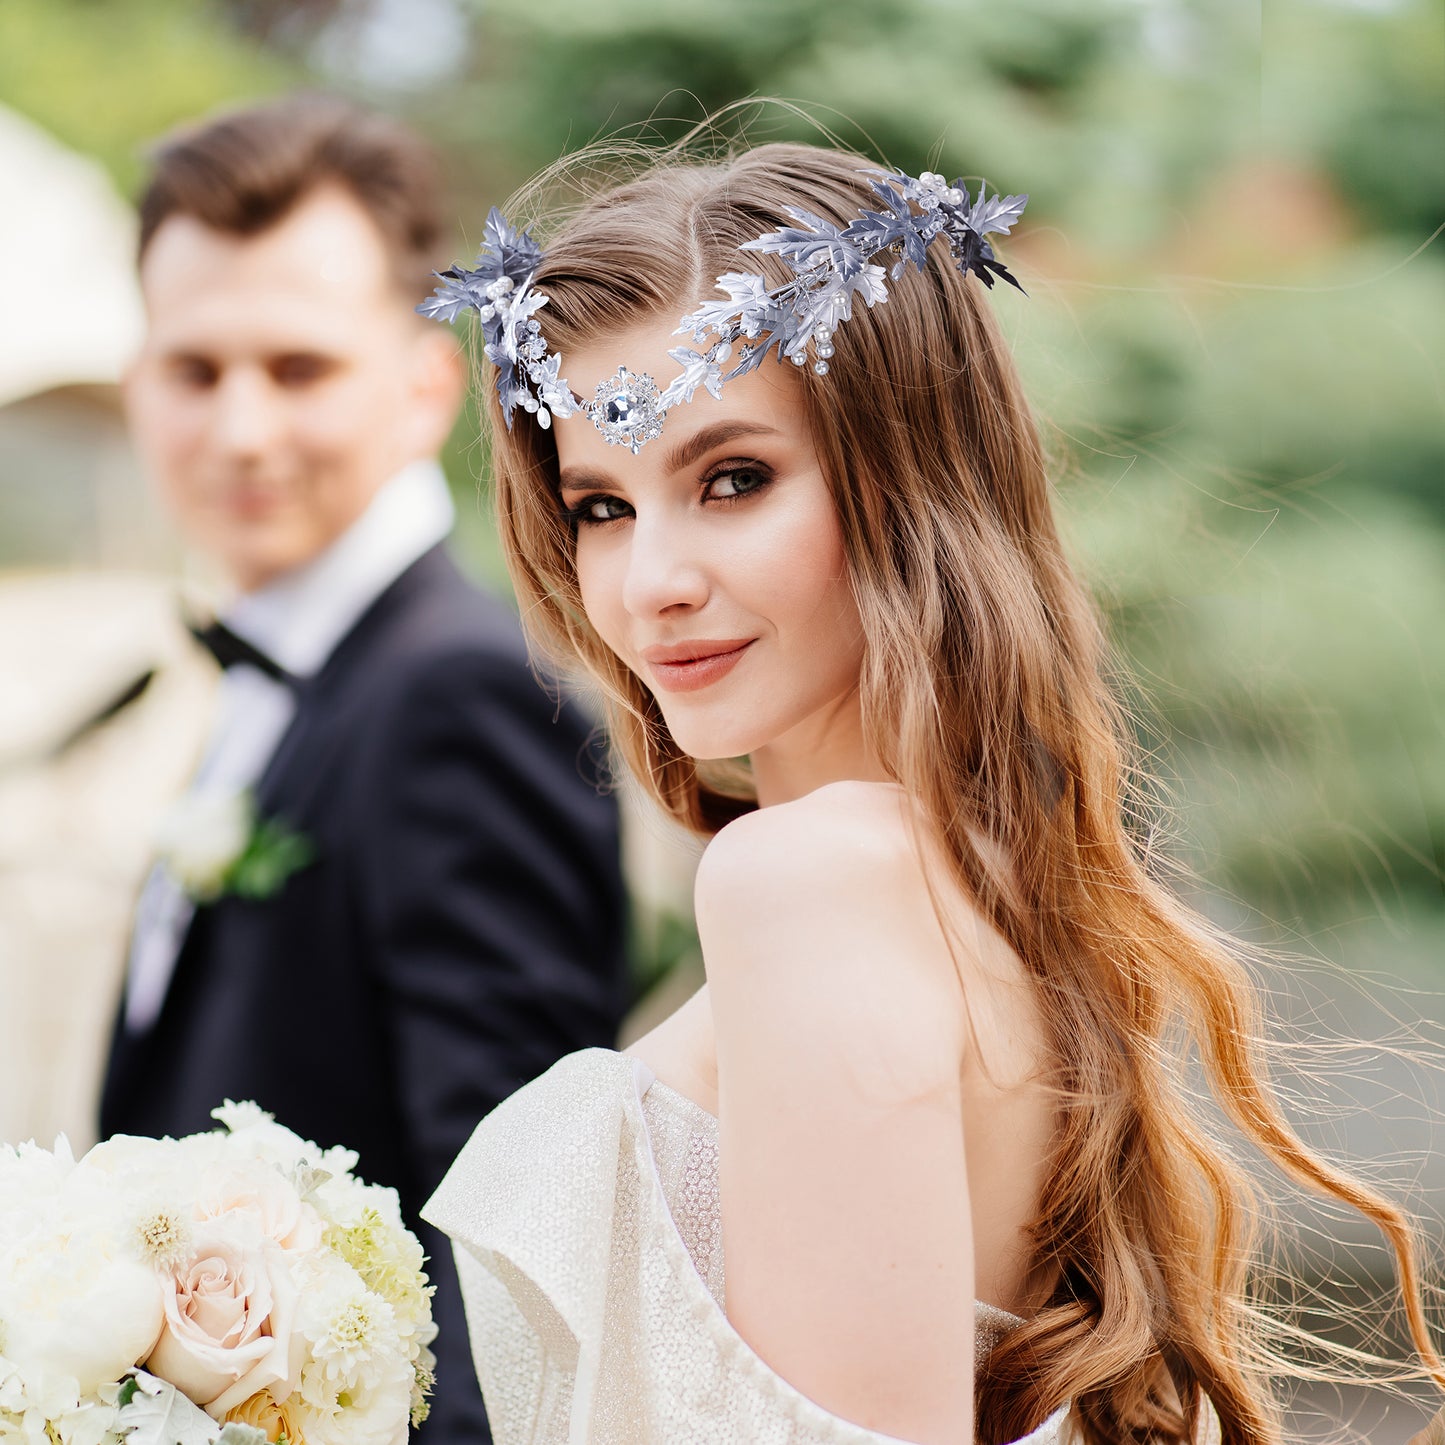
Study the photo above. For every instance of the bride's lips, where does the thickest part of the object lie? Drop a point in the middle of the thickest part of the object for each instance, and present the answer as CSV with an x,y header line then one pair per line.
x,y
688,666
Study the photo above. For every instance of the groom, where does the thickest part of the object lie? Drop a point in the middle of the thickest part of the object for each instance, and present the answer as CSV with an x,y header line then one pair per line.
x,y
423,908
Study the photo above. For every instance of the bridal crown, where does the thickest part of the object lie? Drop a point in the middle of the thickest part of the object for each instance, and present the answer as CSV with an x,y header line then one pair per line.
x,y
796,320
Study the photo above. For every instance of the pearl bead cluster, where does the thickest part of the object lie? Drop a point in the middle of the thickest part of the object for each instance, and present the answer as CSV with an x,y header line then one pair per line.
x,y
822,344
937,191
500,288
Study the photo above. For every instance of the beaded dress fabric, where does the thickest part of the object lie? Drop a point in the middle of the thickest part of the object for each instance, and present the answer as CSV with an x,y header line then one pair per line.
x,y
588,1236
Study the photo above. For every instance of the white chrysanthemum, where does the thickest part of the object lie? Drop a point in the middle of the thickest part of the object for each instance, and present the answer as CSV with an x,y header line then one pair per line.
x,y
245,1115
256,1133
31,1180
366,1230
49,1409
357,1382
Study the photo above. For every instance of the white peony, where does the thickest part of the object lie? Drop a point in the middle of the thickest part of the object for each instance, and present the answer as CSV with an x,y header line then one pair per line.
x,y
76,1300
154,1168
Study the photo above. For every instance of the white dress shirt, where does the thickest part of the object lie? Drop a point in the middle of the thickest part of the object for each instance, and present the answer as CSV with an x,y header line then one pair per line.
x,y
297,620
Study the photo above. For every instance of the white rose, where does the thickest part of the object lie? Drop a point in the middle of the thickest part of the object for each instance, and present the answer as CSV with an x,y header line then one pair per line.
x,y
202,835
258,1190
228,1317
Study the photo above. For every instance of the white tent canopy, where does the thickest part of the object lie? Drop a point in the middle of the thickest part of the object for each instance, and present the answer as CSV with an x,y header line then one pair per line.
x,y
70,311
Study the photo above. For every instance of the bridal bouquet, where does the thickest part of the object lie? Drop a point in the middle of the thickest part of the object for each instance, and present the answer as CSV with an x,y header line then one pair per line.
x,y
240,1286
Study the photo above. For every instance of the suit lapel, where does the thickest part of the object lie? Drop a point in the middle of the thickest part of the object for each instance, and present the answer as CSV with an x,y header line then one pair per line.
x,y
294,771
291,776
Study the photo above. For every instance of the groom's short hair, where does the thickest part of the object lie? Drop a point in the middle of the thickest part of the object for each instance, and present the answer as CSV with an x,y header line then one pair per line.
x,y
243,170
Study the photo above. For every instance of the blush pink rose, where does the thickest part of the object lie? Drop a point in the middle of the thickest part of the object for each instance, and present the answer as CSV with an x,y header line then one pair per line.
x,y
228,1317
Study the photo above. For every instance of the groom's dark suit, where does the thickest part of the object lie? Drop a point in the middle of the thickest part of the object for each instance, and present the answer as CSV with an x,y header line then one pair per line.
x,y
459,929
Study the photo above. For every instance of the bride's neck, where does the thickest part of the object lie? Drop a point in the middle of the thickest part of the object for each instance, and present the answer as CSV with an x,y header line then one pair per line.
x,y
828,747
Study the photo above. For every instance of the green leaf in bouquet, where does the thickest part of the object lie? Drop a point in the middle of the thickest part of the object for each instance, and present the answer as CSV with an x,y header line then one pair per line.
x,y
156,1413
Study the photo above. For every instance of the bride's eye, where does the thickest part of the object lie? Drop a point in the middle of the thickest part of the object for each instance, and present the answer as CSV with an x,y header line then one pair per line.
x,y
591,511
734,480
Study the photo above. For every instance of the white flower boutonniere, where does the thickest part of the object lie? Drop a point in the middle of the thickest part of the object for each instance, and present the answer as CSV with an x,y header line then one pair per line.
x,y
217,843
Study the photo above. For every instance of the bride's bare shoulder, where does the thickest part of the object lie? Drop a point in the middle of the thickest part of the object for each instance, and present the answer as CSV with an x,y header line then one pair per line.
x,y
840,1036
821,910
839,829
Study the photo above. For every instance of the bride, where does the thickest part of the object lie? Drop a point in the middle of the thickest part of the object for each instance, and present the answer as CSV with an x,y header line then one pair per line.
x,y
918,1162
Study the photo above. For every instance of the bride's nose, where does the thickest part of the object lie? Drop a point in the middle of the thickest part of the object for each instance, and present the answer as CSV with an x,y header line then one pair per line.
x,y
666,568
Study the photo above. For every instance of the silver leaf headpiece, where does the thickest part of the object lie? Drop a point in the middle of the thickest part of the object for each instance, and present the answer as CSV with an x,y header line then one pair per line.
x,y
830,268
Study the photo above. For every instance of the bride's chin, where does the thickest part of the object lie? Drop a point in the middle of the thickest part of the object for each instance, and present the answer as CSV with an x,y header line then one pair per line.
x,y
716,754
713,746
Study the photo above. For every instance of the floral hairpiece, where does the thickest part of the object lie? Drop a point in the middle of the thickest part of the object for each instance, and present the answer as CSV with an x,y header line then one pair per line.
x,y
830,267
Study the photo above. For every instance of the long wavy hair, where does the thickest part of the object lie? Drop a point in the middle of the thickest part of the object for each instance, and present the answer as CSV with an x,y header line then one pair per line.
x,y
984,693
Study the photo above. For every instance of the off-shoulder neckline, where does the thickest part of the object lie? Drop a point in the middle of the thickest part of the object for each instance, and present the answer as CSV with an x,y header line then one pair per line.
x,y
649,1081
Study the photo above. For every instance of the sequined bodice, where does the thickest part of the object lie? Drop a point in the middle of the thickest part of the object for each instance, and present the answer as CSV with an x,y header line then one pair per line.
x,y
684,1153
588,1238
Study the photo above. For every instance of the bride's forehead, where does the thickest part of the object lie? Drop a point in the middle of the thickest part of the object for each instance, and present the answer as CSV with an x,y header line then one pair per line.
x,y
642,349
768,398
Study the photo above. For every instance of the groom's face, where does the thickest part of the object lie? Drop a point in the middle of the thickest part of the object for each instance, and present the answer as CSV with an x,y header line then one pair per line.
x,y
283,379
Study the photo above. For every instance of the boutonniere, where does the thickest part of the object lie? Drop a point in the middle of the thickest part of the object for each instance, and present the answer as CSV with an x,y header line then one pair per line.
x,y
216,844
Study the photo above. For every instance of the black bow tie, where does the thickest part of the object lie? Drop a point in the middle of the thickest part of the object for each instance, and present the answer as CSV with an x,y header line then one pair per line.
x,y
229,649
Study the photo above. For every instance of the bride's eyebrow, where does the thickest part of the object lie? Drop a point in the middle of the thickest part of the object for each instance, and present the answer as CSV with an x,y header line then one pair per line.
x,y
686,452
584,479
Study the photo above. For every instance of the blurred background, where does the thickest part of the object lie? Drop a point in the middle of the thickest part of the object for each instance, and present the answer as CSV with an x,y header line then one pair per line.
x,y
1235,335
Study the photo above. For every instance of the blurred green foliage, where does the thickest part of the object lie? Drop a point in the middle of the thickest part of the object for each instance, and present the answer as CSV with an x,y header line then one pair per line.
x,y
1236,328
106,76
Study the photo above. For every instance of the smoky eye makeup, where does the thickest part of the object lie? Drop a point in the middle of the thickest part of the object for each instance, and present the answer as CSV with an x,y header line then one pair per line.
x,y
594,510
722,483
736,478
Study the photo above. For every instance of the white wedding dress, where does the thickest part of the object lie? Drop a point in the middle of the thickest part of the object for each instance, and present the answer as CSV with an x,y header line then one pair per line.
x,y
588,1239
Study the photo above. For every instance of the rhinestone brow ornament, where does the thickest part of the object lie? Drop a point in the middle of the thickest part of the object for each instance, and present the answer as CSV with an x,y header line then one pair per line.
x,y
796,320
